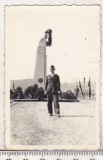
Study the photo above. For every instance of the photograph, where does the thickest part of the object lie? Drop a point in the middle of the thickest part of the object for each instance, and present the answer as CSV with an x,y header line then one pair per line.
x,y
52,77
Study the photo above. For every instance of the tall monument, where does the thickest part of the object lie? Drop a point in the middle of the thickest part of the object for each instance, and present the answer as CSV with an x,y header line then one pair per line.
x,y
41,59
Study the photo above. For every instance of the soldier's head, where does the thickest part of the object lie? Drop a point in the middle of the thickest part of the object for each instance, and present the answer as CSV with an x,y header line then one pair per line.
x,y
52,69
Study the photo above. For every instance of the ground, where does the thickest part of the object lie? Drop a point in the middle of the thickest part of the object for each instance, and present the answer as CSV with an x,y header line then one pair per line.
x,y
32,125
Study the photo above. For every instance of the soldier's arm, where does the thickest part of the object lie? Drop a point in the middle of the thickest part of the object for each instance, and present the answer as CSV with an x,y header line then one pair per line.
x,y
59,87
46,84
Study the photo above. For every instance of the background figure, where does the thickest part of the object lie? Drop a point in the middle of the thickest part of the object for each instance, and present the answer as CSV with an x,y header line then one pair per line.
x,y
52,89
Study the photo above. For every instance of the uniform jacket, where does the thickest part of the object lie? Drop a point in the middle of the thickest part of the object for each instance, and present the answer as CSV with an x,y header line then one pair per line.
x,y
52,83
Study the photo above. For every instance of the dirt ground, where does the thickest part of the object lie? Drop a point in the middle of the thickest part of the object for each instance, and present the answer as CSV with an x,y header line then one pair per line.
x,y
32,125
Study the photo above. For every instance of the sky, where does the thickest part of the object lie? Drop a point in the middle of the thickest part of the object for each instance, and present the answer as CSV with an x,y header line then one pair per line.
x,y
75,50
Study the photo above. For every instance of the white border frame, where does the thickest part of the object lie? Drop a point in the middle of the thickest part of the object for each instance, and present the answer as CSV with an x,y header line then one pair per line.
x,y
41,2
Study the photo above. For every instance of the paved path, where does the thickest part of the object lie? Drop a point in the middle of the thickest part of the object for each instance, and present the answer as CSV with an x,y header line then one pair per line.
x,y
31,124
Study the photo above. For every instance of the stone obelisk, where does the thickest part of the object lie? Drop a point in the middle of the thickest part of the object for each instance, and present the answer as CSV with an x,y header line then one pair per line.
x,y
41,60
40,66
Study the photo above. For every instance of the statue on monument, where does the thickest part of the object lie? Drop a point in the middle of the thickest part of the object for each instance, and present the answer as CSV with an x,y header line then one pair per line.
x,y
48,36
41,59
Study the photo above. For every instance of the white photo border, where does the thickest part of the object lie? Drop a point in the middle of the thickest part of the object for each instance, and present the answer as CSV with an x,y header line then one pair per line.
x,y
2,74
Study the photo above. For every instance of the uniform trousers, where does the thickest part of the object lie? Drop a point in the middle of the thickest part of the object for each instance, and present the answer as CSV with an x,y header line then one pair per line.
x,y
53,97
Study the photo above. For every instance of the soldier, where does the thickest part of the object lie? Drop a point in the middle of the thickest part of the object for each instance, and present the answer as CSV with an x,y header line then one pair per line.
x,y
52,89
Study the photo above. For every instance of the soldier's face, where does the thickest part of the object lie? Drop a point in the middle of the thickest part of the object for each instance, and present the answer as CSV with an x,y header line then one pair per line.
x,y
52,71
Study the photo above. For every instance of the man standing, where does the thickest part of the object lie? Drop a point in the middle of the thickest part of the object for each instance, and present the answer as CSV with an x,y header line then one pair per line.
x,y
52,89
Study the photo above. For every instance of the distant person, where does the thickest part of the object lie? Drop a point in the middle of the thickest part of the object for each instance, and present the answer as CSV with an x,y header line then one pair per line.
x,y
77,92
52,89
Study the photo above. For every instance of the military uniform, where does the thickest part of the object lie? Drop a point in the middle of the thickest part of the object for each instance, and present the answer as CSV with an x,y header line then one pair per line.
x,y
52,87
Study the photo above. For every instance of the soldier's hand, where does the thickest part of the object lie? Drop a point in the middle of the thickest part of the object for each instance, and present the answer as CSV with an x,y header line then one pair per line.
x,y
59,92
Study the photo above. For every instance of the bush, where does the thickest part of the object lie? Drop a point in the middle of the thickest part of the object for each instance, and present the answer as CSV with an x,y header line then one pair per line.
x,y
68,95
18,93
31,92
41,94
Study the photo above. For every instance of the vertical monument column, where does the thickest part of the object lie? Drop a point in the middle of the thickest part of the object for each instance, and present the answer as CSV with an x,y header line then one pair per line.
x,y
41,59
40,67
